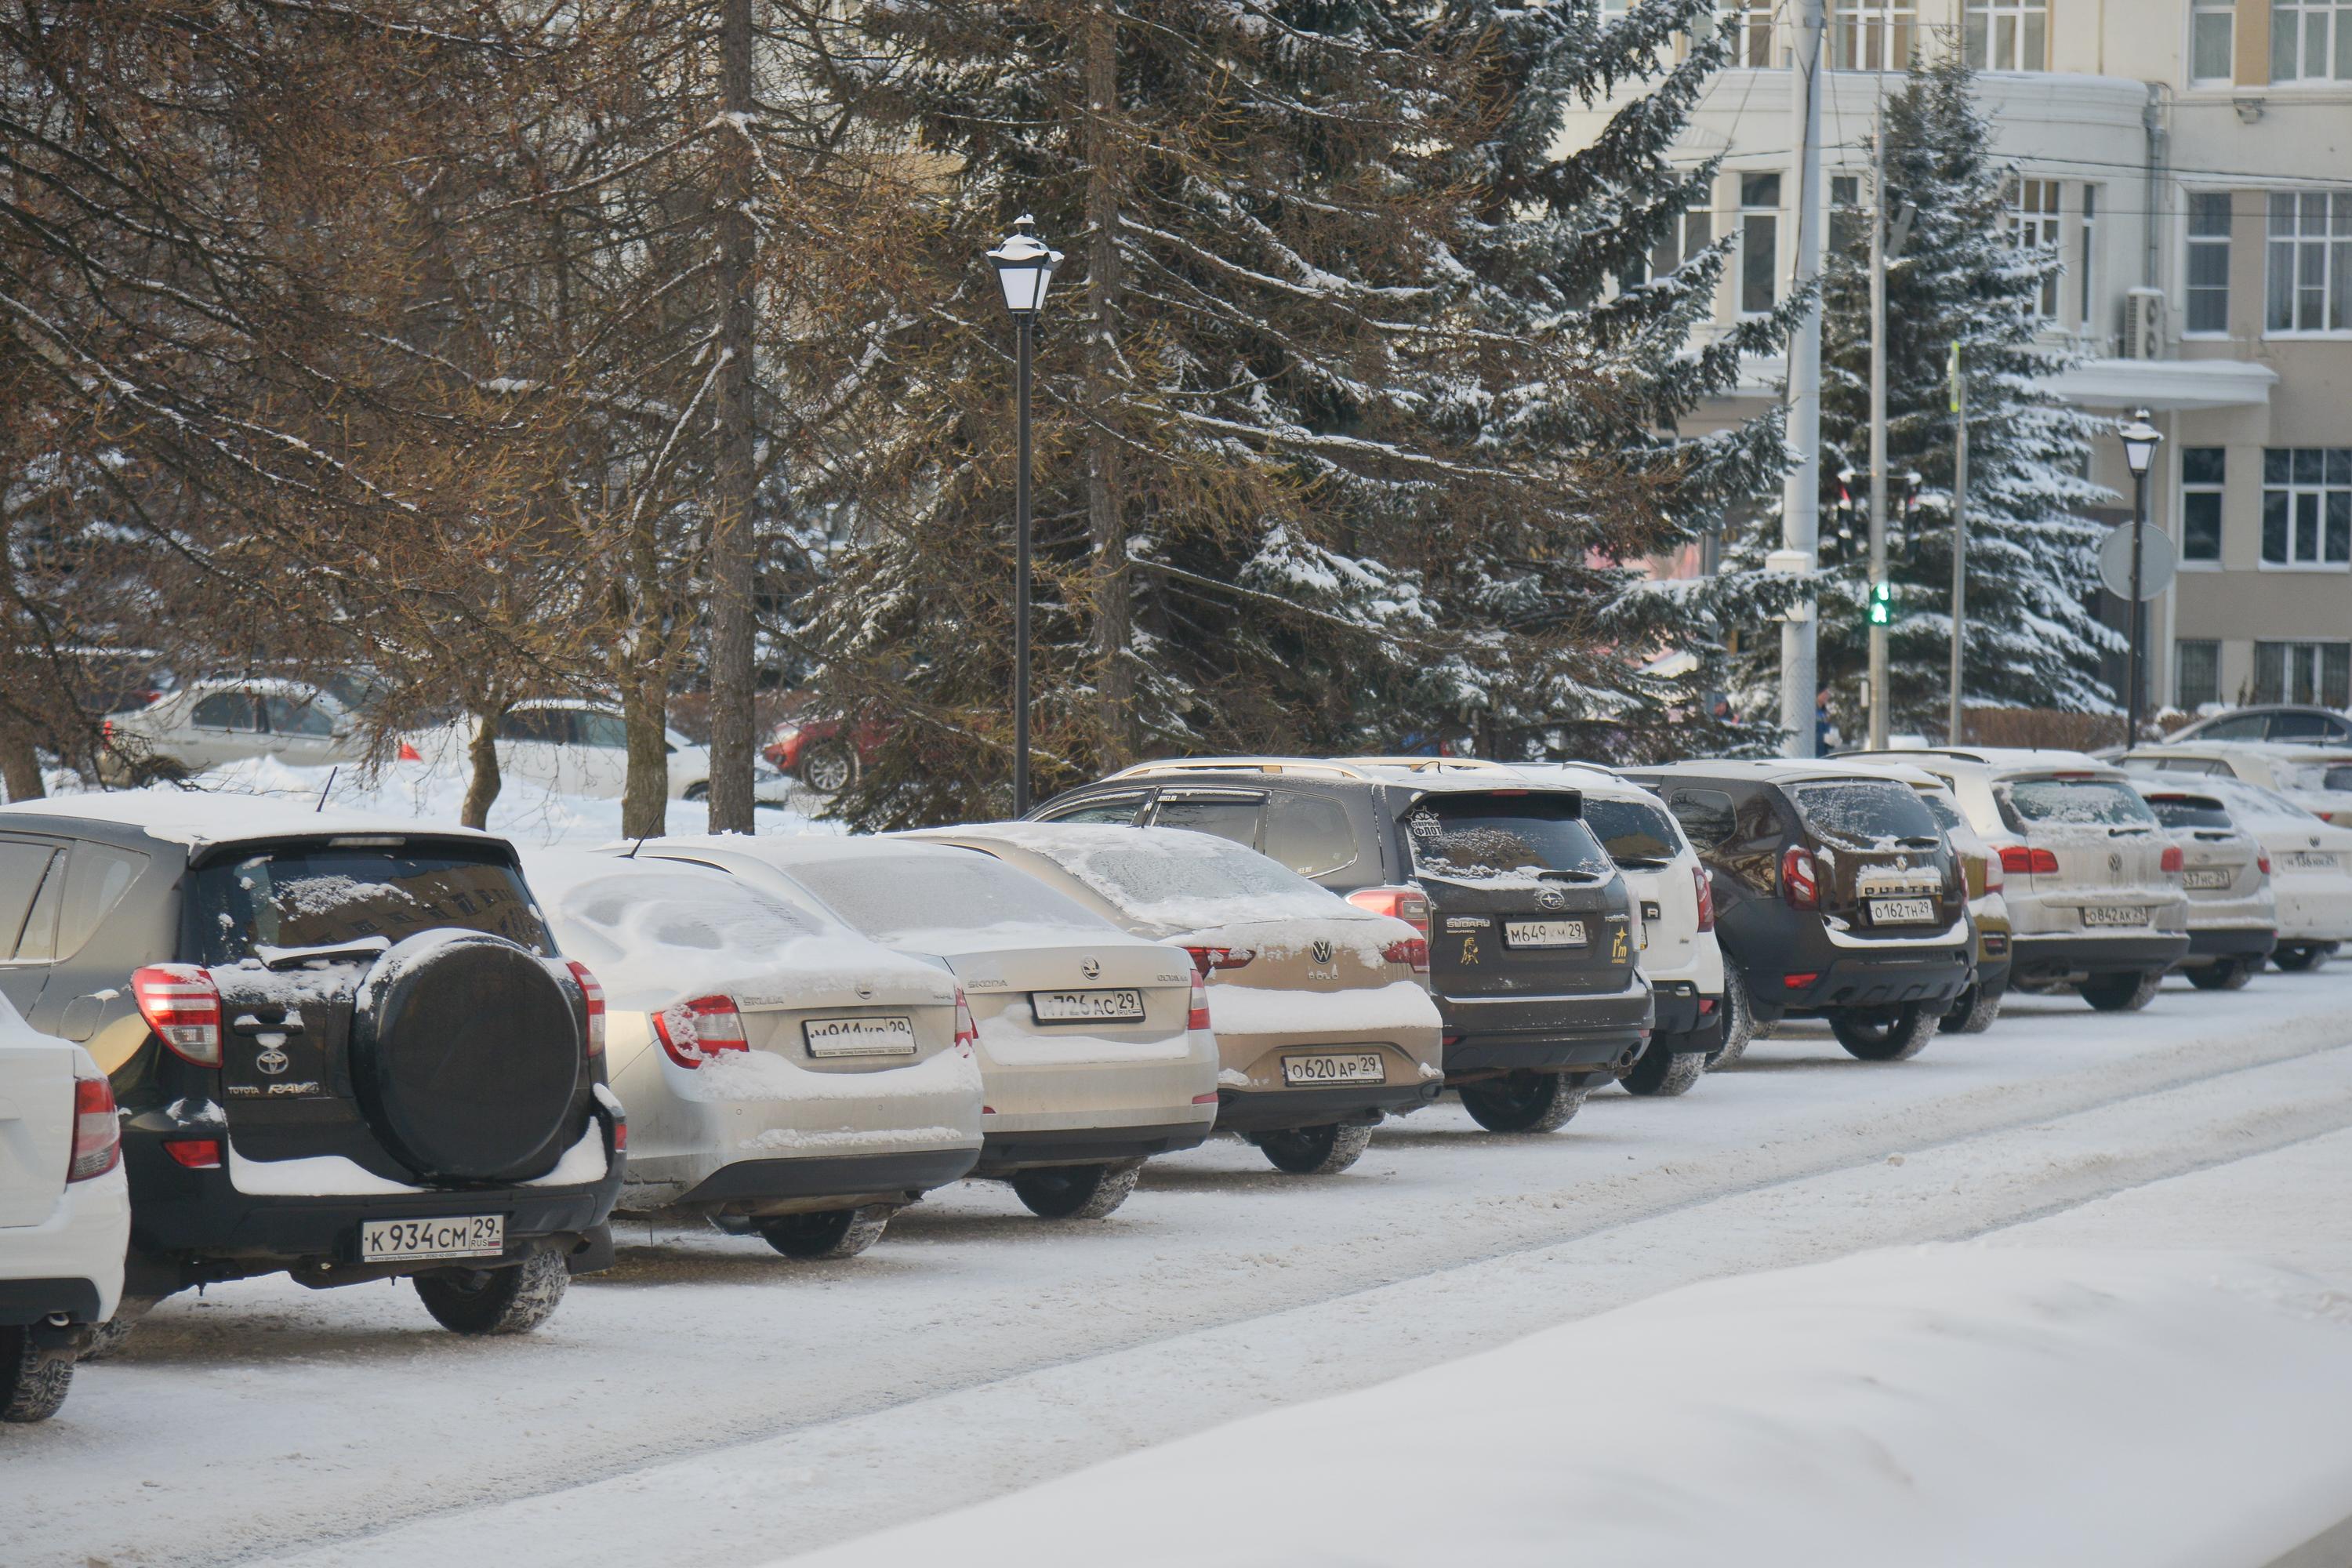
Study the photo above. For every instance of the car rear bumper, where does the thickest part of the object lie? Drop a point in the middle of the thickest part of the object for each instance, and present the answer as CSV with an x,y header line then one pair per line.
x,y
2231,941
898,1175
1848,978
1545,1033
1001,1154
2055,960
1687,1018
1271,1110
72,1261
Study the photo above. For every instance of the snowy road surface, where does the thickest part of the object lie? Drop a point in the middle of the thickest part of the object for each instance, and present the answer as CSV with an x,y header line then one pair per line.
x,y
709,1403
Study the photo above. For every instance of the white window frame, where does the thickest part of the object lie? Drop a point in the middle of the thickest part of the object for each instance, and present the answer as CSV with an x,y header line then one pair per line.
x,y
2296,492
2227,10
2190,241
2294,651
2180,646
1867,35
2299,22
2087,255
2042,228
2016,14
1752,23
2328,248
1744,214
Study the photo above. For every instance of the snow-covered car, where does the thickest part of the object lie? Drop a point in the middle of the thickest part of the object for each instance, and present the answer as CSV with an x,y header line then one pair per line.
x,y
2225,871
65,1207
786,1076
2311,868
2297,723
345,1047
2091,878
1093,1052
570,746
1323,1022
1973,1011
208,722
2317,777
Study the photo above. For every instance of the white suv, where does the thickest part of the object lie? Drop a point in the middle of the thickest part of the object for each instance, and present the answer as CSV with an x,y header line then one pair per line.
x,y
2090,877
65,1212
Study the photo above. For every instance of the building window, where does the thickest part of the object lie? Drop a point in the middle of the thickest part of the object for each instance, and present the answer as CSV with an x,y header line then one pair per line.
x,y
2208,261
2311,40
2196,673
1749,23
1759,243
2212,27
2009,35
1872,35
2306,672
2088,251
1696,233
1847,216
2033,224
2310,271
2201,470
2307,505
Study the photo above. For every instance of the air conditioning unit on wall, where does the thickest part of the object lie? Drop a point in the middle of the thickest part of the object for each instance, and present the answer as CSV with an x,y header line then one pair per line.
x,y
2142,323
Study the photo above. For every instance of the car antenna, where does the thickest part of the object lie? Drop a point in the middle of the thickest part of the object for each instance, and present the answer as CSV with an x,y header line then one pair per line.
x,y
324,788
640,843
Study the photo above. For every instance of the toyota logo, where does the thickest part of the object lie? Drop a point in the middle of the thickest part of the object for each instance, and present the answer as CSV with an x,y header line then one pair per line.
x,y
1322,951
273,1061
1090,967
1549,899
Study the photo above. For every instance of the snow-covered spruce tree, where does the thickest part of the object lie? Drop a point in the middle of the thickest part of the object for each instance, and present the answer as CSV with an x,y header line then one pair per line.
x,y
1349,431
2031,554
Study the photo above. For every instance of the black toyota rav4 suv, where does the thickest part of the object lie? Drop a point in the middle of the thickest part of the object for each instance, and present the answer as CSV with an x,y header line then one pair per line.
x,y
344,1047
1530,929
1835,895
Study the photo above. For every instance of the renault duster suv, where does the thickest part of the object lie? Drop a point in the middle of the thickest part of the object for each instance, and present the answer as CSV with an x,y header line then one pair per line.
x,y
344,1047
1533,936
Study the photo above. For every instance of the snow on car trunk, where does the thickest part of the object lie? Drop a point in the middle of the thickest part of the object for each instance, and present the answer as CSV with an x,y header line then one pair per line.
x,y
1960,1405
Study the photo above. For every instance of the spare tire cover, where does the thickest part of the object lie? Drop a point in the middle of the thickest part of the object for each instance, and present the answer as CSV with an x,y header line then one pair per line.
x,y
466,1053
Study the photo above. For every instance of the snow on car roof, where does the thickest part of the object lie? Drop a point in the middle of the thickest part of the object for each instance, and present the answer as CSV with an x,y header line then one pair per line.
x,y
198,816
785,850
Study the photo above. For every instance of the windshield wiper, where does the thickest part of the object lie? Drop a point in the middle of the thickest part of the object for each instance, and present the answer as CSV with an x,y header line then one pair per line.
x,y
288,957
1571,874
1921,840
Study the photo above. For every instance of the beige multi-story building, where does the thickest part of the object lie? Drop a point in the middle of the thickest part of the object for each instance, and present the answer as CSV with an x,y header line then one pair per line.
x,y
2191,163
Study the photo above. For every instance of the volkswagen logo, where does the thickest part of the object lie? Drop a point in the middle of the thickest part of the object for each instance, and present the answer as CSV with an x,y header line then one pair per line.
x,y
1091,968
273,1061
1549,899
2114,862
1322,951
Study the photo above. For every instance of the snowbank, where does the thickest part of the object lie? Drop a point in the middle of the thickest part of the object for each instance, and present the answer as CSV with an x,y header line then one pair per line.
x,y
1936,1405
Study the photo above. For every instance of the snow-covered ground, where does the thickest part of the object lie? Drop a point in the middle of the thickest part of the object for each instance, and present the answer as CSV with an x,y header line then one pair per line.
x,y
709,1403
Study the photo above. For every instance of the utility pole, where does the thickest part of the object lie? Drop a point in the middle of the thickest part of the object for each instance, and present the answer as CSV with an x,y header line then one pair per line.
x,y
1800,494
1878,725
734,546
1952,723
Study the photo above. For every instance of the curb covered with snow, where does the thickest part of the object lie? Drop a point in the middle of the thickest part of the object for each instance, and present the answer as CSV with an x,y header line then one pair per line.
x,y
1944,1404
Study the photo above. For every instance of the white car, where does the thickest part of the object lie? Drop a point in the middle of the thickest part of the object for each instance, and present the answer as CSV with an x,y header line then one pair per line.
x,y
65,1212
2317,777
570,746
786,1076
208,722
2225,871
2311,870
1094,1045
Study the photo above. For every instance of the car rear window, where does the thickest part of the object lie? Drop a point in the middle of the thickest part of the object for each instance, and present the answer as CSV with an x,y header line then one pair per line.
x,y
1946,817
891,896
2252,802
2187,811
1470,837
1636,834
2074,802
327,896
1865,811
2315,775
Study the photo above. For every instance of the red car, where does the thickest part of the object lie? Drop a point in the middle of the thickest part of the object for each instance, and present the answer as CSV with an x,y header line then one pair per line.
x,y
826,754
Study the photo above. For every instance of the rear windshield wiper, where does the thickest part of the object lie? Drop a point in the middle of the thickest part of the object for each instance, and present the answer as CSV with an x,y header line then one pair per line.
x,y
1639,863
292,957
1921,840
1571,874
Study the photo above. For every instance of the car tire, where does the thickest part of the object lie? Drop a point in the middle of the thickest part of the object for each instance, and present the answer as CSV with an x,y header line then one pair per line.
x,y
149,771
835,1233
2223,974
1323,1151
1974,1012
829,767
1663,1073
33,1384
2126,993
1522,1102
103,1339
1894,1034
698,792
1075,1191
496,1300
2297,957
1739,1022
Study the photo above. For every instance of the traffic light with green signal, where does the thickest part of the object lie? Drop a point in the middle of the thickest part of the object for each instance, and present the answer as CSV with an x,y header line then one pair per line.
x,y
1882,605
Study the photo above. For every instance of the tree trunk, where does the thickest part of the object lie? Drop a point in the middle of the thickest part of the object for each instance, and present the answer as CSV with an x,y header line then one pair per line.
x,y
20,763
482,787
1105,517
645,715
734,545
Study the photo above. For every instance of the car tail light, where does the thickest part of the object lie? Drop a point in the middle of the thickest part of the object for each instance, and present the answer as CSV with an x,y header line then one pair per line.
x,y
967,1029
196,1154
97,1134
593,994
1412,950
2173,859
1706,887
1992,875
1198,1016
692,1032
2020,861
1410,905
2265,862
1205,958
1208,1098
183,1006
1801,878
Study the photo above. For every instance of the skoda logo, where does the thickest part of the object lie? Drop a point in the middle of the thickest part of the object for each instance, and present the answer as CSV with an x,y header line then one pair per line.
x,y
865,991
1548,899
1091,968
1322,951
273,1061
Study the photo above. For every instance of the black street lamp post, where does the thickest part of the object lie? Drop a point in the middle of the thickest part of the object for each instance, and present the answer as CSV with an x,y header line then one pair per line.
x,y
1023,266
2140,440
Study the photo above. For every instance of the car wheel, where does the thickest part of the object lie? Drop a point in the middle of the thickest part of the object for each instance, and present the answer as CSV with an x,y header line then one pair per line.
x,y
829,767
2221,975
1316,1150
1522,1102
103,1339
1075,1191
496,1300
1664,1073
158,771
835,1233
32,1384
2125,993
2297,957
1884,1034
1739,1021
698,791
1974,1010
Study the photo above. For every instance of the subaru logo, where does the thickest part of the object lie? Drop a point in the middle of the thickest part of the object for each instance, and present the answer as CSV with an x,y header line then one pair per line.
x,y
1322,951
1091,968
1549,899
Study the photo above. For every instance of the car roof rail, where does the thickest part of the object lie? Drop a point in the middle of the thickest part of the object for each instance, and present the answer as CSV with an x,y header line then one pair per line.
x,y
1307,766
1422,765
